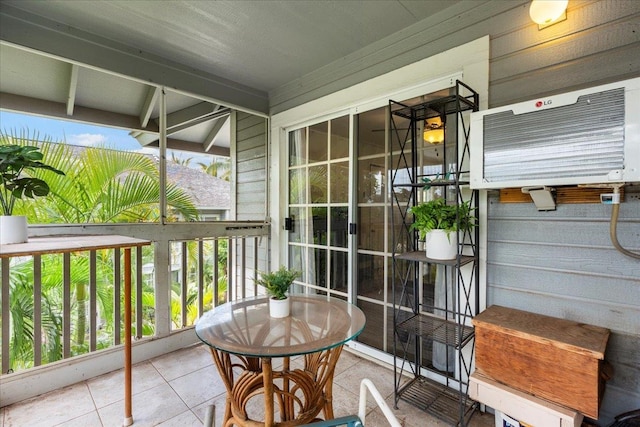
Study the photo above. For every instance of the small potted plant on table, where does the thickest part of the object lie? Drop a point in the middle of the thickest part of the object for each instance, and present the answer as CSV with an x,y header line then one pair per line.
x,y
14,160
438,224
277,285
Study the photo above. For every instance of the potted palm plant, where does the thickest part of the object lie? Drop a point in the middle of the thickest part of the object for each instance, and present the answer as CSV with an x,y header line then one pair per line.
x,y
277,285
14,161
438,224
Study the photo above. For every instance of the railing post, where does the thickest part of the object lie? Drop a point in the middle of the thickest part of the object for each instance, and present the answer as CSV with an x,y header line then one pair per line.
x,y
6,339
128,416
37,310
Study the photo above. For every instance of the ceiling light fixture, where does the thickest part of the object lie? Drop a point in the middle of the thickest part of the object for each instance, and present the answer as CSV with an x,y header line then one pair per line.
x,y
548,12
433,130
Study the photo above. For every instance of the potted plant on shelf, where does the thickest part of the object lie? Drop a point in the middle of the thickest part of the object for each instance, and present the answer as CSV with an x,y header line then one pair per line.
x,y
438,224
277,284
14,160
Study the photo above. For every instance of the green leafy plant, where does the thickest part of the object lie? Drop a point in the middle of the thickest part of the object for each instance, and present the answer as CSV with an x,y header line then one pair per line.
x,y
438,215
277,282
14,160
428,181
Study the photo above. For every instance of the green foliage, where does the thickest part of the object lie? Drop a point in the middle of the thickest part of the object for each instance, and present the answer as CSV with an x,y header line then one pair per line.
x,y
15,162
100,185
220,168
438,215
277,282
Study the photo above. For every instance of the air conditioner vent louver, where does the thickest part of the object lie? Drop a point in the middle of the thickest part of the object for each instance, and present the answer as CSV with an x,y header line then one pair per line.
x,y
586,136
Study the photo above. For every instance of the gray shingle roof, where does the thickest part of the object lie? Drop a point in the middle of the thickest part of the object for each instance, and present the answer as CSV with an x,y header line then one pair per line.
x,y
205,190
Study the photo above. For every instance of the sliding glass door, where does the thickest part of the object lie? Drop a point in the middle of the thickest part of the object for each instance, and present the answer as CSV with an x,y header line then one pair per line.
x,y
372,284
319,171
329,183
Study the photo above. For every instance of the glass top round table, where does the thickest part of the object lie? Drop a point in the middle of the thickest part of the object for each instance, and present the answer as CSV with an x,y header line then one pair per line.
x,y
241,334
316,323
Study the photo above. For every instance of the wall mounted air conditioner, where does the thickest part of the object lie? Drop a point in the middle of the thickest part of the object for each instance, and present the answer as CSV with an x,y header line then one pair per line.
x,y
584,137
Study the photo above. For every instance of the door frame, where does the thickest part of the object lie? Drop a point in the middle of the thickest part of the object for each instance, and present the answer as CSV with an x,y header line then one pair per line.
x,y
468,62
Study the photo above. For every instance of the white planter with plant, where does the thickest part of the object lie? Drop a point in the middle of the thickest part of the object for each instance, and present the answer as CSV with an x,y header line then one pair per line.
x,y
441,245
15,160
438,224
277,284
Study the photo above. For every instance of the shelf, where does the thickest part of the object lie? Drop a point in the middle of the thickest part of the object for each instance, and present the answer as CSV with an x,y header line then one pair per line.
x,y
441,330
446,105
438,400
430,184
421,256
419,326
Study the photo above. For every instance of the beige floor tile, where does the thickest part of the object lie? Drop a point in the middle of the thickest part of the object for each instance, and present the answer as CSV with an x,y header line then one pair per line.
x,y
185,419
50,409
182,362
346,361
109,388
92,419
150,408
382,377
345,402
219,402
482,419
194,383
199,386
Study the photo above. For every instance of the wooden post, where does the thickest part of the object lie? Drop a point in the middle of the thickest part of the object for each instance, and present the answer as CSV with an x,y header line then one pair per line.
x,y
128,416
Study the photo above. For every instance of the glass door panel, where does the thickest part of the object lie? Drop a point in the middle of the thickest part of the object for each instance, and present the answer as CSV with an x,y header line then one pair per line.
x,y
318,142
372,252
339,227
340,182
319,174
339,142
318,183
298,147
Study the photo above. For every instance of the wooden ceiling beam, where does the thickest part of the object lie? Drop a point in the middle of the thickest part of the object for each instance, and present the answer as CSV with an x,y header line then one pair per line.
x,y
73,86
40,107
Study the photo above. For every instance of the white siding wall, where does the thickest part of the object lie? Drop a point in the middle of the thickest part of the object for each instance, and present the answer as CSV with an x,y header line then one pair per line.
x,y
563,264
251,167
557,263
250,198
598,43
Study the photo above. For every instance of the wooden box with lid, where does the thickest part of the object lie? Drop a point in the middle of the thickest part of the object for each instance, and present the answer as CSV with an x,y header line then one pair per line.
x,y
551,358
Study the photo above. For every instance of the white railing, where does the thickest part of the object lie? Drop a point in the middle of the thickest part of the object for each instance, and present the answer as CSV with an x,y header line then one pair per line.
x,y
175,267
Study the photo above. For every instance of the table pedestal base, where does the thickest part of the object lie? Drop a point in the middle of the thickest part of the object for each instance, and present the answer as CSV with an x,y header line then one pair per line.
x,y
298,394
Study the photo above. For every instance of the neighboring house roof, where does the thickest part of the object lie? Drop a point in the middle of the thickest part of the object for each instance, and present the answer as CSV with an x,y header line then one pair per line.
x,y
205,190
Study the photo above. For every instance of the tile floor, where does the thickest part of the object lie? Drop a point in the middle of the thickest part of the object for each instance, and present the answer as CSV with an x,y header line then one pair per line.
x,y
177,388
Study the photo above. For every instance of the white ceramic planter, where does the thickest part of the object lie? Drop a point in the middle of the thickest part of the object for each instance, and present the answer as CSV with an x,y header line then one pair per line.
x,y
13,229
279,308
439,246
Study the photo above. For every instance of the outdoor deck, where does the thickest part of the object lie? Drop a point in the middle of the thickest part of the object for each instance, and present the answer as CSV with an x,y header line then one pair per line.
x,y
175,390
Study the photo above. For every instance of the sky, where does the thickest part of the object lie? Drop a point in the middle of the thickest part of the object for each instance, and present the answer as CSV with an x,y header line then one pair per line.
x,y
69,132
83,134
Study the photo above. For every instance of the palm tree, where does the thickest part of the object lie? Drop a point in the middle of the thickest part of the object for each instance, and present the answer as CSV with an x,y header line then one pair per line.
x,y
100,186
220,168
182,162
103,185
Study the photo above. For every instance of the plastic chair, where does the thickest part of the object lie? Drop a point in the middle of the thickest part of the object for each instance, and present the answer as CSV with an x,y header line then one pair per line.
x,y
349,420
359,420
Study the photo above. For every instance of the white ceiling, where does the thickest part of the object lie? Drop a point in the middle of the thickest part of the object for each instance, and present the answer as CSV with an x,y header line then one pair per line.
x,y
259,44
253,47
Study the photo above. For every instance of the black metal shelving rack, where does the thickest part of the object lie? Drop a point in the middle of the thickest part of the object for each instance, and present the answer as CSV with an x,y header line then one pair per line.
x,y
422,322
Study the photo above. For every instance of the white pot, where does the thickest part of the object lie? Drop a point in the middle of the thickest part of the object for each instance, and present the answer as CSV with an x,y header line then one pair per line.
x,y
13,229
440,246
279,308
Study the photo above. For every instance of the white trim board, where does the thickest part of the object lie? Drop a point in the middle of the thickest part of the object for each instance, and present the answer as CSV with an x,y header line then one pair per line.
x,y
468,62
